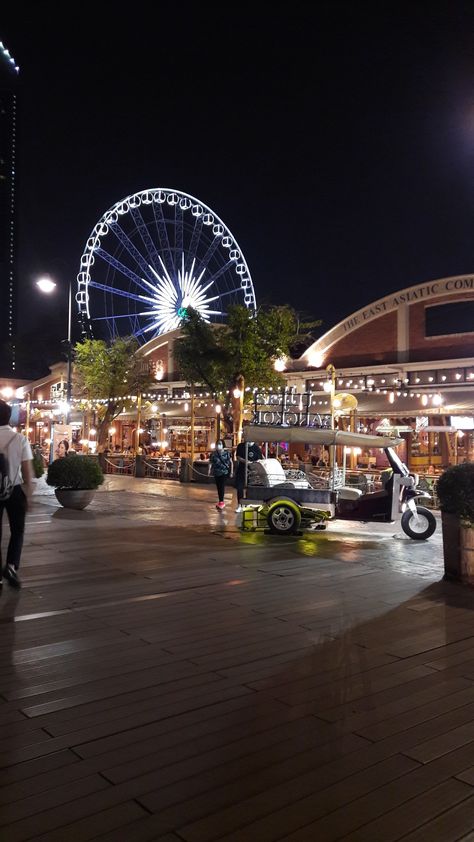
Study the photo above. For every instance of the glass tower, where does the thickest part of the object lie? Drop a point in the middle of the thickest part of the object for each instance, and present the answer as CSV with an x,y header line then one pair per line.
x,y
8,151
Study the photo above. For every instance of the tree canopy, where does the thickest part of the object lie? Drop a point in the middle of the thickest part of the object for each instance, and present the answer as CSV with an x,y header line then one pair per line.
x,y
111,372
244,350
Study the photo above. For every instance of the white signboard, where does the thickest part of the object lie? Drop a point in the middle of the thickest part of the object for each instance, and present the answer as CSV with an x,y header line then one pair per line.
x,y
462,422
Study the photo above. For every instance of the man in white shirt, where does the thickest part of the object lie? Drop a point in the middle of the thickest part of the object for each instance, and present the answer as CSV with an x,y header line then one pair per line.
x,y
17,451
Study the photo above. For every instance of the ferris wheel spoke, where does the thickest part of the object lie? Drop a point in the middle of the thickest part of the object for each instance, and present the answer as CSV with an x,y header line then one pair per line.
x,y
196,236
140,282
115,291
142,229
147,328
178,230
221,271
229,292
125,240
106,318
163,236
204,262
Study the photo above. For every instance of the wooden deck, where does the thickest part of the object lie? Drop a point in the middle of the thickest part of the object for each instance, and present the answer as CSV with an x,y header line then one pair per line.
x,y
166,681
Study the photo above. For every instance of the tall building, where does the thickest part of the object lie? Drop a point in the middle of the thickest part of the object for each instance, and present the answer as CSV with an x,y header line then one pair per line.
x,y
8,142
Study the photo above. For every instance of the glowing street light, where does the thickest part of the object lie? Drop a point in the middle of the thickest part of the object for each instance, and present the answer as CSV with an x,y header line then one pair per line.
x,y
218,409
46,284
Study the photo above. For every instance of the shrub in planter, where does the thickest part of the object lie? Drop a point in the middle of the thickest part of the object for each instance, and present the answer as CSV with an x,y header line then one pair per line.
x,y
78,472
38,464
75,479
455,491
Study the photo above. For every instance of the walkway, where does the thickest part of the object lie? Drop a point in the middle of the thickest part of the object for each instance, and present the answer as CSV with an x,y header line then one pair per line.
x,y
164,678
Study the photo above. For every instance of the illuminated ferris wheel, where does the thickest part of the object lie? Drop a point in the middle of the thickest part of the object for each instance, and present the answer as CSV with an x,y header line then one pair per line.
x,y
150,258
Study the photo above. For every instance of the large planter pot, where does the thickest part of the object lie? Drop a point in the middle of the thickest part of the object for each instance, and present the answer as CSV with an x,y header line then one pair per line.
x,y
451,546
467,555
72,498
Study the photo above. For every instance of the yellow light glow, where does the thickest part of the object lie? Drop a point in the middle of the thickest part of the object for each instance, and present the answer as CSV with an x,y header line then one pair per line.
x,y
315,359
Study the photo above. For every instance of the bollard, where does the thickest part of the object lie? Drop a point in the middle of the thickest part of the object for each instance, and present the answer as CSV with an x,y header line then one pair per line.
x,y
185,470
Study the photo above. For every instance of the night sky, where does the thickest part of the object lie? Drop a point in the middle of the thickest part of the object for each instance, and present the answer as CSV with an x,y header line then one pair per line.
x,y
336,143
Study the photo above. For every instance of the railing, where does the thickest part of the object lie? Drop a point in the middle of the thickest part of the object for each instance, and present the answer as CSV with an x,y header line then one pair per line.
x,y
162,468
122,465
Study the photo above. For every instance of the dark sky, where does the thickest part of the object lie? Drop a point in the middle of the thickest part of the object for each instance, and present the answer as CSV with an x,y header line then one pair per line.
x,y
335,142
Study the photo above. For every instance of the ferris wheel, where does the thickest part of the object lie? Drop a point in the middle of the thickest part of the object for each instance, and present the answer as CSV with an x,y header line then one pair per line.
x,y
150,258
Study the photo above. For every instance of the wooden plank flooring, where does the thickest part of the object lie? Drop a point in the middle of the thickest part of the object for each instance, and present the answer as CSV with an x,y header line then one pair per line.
x,y
183,683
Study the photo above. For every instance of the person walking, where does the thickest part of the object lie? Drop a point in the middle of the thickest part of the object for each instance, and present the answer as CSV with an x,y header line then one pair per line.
x,y
220,464
15,492
253,455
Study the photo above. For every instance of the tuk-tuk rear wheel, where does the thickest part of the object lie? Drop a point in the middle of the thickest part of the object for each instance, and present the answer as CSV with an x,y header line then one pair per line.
x,y
284,518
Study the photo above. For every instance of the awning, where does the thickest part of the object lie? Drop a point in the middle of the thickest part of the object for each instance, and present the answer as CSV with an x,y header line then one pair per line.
x,y
311,435
454,403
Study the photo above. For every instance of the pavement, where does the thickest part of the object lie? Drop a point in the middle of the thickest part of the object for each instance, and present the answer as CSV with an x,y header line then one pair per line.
x,y
165,677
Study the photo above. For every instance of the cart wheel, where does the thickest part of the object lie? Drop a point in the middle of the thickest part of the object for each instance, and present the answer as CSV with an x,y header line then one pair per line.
x,y
419,526
284,517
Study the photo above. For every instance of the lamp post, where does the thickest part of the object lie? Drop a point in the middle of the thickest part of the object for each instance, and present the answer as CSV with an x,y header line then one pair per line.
x,y
47,286
331,388
218,421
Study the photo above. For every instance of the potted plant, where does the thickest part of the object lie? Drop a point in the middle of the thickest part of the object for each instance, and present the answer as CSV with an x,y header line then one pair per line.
x,y
38,462
75,480
455,491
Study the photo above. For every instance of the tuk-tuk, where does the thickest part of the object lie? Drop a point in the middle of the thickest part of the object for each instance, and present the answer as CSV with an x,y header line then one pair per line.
x,y
288,496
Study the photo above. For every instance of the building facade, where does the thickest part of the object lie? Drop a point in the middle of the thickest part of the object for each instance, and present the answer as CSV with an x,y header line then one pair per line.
x,y
408,359
8,177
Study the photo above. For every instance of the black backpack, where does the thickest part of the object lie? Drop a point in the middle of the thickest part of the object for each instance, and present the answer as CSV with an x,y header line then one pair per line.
x,y
6,485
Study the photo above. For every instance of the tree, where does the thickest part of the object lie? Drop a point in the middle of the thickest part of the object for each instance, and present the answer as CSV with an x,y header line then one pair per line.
x,y
110,372
238,355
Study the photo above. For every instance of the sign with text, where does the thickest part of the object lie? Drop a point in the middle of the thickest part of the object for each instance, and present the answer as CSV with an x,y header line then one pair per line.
x,y
290,409
423,292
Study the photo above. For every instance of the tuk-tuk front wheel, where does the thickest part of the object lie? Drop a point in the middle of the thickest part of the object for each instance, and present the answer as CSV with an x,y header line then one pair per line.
x,y
419,526
284,518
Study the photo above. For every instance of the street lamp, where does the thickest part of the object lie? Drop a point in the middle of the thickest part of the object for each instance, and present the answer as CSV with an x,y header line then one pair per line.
x,y
330,386
46,285
218,409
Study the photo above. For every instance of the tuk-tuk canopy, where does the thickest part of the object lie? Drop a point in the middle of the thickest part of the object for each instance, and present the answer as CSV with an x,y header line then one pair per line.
x,y
310,435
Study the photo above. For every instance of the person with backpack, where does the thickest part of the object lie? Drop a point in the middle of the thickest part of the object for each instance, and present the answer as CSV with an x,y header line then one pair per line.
x,y
16,488
221,466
